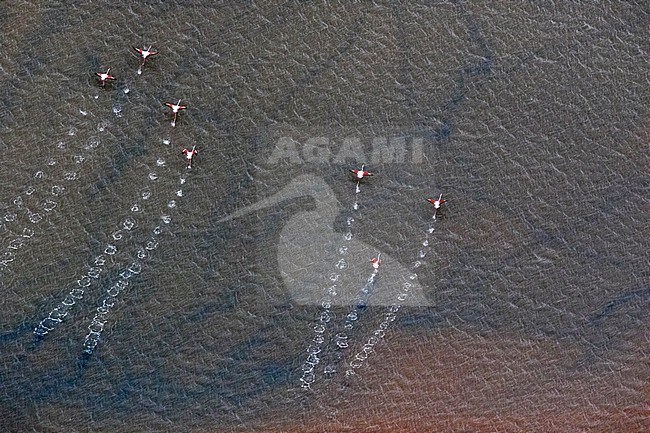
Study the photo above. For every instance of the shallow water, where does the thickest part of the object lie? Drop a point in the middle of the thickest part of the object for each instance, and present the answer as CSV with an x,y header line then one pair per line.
x,y
533,121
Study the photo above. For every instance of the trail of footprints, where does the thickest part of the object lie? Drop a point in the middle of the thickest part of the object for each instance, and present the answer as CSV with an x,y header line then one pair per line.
x,y
391,314
326,315
341,341
48,187
111,296
108,258
40,198
17,232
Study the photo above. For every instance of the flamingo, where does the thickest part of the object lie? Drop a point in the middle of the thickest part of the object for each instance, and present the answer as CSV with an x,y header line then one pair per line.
x,y
360,174
437,203
144,54
175,109
189,154
104,76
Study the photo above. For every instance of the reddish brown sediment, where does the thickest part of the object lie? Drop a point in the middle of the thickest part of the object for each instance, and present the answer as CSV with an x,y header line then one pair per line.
x,y
443,381
625,421
452,381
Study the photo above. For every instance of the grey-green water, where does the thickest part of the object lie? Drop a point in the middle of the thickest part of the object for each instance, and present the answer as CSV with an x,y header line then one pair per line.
x,y
534,123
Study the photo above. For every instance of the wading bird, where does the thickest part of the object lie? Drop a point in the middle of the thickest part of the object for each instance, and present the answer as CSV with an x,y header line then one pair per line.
x,y
360,174
189,154
105,76
175,109
436,204
144,54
